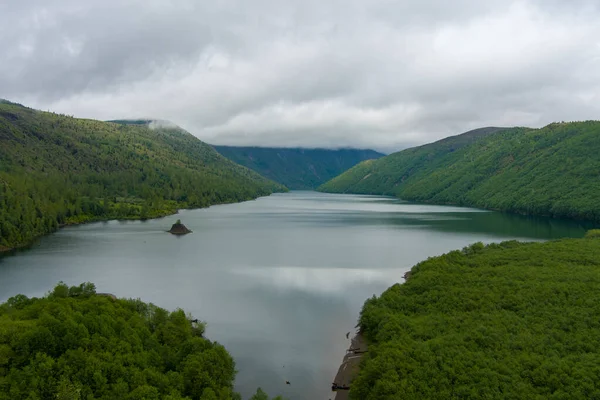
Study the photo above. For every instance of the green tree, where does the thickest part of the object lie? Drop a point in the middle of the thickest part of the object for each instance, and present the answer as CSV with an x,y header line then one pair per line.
x,y
509,320
520,170
57,170
74,344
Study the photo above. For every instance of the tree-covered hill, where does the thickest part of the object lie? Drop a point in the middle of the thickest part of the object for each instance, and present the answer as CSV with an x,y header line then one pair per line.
x,y
297,168
76,344
550,171
55,169
131,121
503,321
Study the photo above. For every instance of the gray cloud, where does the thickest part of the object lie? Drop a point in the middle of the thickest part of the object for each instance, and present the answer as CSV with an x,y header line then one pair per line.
x,y
356,73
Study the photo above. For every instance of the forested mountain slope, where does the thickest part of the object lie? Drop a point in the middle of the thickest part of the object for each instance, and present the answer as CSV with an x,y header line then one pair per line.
x,y
503,321
55,169
76,344
550,171
297,168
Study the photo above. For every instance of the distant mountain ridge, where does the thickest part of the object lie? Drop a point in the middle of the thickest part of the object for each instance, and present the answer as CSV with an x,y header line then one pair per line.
x,y
297,168
550,171
455,142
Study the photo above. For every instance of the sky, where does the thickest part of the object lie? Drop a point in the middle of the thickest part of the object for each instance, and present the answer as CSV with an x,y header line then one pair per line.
x,y
376,74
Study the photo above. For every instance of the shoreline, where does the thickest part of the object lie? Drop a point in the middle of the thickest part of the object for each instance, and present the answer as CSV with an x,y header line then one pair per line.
x,y
510,211
8,250
350,367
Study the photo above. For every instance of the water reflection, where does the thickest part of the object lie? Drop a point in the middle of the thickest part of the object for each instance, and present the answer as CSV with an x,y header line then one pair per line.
x,y
279,280
318,280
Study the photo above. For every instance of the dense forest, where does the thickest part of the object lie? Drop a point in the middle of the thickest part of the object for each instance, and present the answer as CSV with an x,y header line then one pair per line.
x,y
76,344
551,171
504,321
297,168
56,169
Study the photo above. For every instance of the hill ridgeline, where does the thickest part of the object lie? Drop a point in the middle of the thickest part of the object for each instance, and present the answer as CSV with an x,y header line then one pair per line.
x,y
552,171
56,170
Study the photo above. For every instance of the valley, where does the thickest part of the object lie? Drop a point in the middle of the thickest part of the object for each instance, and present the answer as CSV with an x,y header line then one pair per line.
x,y
278,278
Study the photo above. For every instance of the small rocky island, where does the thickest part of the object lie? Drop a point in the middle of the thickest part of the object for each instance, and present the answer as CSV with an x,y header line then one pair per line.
x,y
179,229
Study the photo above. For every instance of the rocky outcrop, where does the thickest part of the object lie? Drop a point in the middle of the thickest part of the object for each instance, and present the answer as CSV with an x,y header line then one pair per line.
x,y
179,229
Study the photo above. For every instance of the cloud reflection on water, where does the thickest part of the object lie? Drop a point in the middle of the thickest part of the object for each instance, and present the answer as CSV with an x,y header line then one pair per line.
x,y
325,280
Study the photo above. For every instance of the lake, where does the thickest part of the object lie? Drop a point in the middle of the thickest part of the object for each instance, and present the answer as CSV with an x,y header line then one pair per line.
x,y
279,280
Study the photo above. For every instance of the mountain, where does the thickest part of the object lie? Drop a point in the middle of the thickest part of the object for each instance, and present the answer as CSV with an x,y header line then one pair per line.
x,y
550,171
504,321
56,169
297,168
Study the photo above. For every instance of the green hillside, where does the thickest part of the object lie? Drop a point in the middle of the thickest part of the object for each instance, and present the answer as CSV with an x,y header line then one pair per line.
x,y
504,321
55,170
550,171
297,168
76,344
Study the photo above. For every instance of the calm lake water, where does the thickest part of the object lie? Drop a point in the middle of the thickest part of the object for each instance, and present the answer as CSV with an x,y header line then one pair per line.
x,y
279,280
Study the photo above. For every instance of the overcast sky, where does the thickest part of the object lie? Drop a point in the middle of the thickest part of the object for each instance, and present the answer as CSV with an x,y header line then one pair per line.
x,y
379,73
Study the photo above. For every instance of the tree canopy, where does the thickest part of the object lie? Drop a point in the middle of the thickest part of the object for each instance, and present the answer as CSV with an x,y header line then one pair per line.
x,y
504,321
77,344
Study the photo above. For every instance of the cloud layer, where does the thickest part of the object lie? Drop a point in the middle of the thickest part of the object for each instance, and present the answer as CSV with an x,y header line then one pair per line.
x,y
379,74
